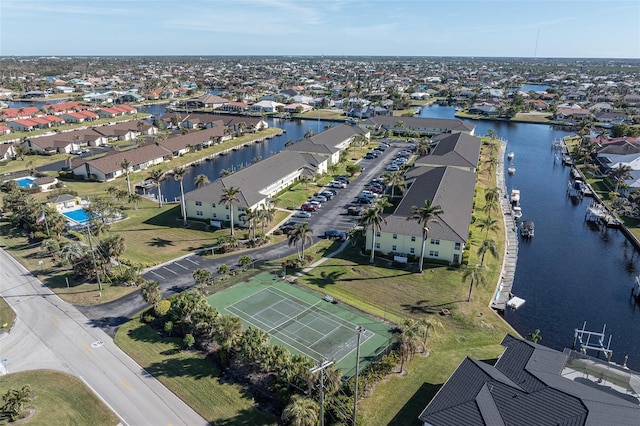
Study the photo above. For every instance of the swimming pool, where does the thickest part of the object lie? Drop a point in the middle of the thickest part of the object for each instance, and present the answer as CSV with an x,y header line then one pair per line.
x,y
78,216
25,182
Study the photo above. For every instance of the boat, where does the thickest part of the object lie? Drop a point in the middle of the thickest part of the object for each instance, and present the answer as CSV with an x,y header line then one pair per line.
x,y
515,196
511,169
510,155
527,229
517,212
515,302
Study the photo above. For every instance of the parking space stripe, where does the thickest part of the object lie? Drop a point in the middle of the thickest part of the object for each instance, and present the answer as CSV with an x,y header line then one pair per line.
x,y
173,272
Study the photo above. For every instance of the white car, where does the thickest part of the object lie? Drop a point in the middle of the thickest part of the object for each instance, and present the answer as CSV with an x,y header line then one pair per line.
x,y
315,203
302,214
392,168
337,184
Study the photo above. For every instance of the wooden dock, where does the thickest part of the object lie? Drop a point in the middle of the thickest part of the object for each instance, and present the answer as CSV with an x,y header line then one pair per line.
x,y
503,287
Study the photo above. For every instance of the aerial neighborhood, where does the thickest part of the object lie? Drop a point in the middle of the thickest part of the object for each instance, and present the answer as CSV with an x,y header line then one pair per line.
x,y
304,240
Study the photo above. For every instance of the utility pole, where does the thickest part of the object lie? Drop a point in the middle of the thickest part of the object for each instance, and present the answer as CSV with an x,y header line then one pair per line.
x,y
321,369
93,256
359,330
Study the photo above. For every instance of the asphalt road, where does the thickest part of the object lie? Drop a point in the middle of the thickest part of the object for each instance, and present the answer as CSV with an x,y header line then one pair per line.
x,y
52,334
176,276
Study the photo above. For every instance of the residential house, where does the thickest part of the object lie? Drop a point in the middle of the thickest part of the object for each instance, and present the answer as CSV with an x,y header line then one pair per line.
x,y
483,109
265,107
7,151
612,117
4,130
421,125
534,385
10,114
456,150
235,107
258,184
45,183
64,202
452,189
24,125
206,101
297,108
181,144
109,167
572,113
126,130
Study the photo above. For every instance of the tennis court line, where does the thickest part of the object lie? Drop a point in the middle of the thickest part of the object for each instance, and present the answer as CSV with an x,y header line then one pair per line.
x,y
294,318
243,315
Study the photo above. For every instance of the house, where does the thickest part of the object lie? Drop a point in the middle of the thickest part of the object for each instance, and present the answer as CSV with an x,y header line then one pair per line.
x,y
206,101
612,117
534,385
456,150
126,130
235,107
74,117
483,109
24,125
257,183
64,202
450,188
265,106
182,144
572,113
7,151
10,114
4,130
45,183
421,125
330,142
109,167
297,108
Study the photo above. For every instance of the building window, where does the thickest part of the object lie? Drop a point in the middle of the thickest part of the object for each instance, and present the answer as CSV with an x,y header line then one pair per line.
x,y
433,253
457,246
226,207
213,205
413,238
435,242
412,250
394,248
214,216
198,203
377,245
227,217
395,236
377,233
199,213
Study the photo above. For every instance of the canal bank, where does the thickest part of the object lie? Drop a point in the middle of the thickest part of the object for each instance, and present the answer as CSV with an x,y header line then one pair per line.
x,y
571,271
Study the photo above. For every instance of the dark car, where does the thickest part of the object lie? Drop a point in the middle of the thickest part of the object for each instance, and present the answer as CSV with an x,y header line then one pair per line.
x,y
354,211
288,226
309,207
327,194
369,157
343,179
335,235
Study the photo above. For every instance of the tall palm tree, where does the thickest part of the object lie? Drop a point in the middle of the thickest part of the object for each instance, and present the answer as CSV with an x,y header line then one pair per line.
x,y
492,194
301,411
178,174
395,180
251,216
487,246
424,216
229,198
229,331
487,224
267,213
157,175
620,173
135,199
201,180
373,220
425,326
491,164
126,165
301,233
475,274
151,292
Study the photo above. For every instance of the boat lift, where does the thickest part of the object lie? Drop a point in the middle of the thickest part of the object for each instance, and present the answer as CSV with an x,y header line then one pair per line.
x,y
580,335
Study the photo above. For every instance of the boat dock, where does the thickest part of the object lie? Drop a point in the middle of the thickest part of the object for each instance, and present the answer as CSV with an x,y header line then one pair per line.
x,y
503,293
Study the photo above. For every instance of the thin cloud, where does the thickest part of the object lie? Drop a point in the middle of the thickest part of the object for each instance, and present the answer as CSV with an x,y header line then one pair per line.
x,y
69,8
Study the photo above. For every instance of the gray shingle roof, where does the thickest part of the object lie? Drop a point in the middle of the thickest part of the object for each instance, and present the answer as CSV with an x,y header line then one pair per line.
x,y
534,393
451,189
458,149
447,125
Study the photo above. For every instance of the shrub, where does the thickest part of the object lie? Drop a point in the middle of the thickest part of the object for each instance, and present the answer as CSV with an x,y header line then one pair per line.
x,y
148,318
168,327
189,341
162,307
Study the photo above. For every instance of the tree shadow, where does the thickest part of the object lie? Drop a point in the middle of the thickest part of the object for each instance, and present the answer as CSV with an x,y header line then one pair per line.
x,y
107,322
326,278
159,242
409,413
421,306
197,368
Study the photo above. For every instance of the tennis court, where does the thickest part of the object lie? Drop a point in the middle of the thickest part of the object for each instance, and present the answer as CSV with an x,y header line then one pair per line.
x,y
304,321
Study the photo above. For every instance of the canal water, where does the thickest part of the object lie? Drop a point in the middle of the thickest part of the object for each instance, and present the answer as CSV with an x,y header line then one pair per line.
x,y
570,272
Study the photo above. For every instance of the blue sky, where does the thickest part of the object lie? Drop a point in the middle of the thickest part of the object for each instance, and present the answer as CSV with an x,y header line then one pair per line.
x,y
511,28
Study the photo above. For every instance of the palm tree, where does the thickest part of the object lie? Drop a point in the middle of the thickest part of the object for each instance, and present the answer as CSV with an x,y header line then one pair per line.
x,y
178,174
425,326
394,179
491,163
157,176
135,199
475,275
492,194
424,216
373,220
229,330
14,401
201,275
151,292
301,233
492,134
487,224
620,173
201,180
251,216
488,246
252,344
301,411
229,198
409,340
125,165
267,213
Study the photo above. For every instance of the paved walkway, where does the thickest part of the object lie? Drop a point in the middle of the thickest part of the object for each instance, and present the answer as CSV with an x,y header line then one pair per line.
x,y
503,287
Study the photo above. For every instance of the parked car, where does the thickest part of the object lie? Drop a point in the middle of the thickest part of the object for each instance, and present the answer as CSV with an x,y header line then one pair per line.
x,y
302,214
335,235
381,148
337,184
343,179
377,152
75,152
315,203
364,200
392,168
308,207
329,195
333,191
354,211
288,226
319,198
369,157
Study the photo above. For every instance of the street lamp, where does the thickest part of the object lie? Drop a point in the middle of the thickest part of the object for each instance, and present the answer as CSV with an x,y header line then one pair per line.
x,y
359,330
321,369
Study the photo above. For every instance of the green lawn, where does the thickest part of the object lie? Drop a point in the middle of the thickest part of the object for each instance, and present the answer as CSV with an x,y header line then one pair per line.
x,y
191,376
7,316
76,405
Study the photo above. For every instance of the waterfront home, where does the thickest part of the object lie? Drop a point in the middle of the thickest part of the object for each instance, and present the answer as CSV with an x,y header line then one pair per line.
x,y
449,187
297,108
126,130
330,142
109,167
533,384
179,145
7,151
572,113
456,150
258,184
265,106
10,114
205,101
421,125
